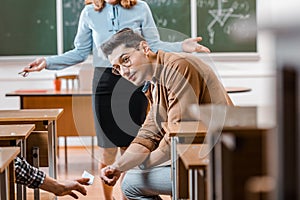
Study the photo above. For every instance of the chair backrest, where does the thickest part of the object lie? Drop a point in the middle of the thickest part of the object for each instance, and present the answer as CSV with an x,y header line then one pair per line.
x,y
38,139
73,79
86,74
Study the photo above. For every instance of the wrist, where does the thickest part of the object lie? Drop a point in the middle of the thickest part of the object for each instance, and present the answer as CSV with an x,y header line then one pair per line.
x,y
51,185
144,164
116,167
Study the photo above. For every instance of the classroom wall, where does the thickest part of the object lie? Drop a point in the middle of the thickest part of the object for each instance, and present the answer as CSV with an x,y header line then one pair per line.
x,y
259,75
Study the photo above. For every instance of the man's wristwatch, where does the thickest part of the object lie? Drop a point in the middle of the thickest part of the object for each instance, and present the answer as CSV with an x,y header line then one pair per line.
x,y
143,165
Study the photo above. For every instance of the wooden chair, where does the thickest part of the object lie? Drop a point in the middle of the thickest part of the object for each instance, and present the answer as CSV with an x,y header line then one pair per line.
x,y
71,83
72,79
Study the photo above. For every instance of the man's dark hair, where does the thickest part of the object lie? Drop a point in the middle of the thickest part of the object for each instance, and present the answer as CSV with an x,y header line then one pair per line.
x,y
125,36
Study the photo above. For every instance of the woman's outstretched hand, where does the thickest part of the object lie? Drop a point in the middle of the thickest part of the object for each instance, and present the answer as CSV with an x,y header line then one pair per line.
x,y
191,45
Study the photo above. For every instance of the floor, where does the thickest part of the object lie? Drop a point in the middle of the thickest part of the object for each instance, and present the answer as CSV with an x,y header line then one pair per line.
x,y
80,159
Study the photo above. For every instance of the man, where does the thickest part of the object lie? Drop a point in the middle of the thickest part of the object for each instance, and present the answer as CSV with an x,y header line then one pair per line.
x,y
35,178
174,82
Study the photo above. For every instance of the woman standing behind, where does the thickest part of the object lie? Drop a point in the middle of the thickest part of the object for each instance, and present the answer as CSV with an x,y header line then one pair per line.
x,y
114,98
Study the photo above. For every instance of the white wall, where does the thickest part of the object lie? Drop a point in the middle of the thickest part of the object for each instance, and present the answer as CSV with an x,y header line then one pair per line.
x,y
11,81
258,75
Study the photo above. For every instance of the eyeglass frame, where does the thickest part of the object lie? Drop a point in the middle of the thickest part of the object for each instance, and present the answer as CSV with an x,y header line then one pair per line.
x,y
126,64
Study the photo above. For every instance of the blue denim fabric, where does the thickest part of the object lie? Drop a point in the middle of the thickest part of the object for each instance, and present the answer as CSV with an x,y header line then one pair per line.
x,y
147,184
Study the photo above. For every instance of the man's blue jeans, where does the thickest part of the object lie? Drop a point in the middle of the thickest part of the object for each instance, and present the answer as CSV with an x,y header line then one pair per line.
x,y
147,184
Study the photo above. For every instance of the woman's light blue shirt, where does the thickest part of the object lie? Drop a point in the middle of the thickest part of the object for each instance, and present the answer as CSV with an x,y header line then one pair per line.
x,y
96,27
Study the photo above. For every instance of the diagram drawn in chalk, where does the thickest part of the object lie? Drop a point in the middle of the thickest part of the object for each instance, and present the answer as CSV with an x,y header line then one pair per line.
x,y
222,15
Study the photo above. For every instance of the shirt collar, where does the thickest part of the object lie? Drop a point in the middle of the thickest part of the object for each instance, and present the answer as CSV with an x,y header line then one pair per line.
x,y
157,71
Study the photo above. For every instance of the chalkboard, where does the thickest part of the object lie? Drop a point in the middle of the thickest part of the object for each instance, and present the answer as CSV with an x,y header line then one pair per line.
x,y
172,17
27,27
71,13
227,26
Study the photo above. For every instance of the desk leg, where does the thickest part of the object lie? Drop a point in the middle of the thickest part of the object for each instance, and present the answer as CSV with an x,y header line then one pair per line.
x,y
21,189
23,152
52,149
197,184
174,158
3,185
193,184
10,174
36,163
52,146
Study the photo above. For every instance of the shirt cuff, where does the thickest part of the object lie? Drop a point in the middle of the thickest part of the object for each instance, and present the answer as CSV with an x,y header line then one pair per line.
x,y
144,142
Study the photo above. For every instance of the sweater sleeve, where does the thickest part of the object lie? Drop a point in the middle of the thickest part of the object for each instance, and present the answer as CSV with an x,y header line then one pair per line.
x,y
82,47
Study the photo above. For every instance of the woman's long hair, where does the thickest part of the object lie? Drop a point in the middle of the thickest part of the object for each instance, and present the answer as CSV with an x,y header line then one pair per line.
x,y
99,4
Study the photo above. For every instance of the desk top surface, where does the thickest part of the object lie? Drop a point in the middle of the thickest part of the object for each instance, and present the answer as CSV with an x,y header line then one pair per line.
x,y
49,93
45,92
237,89
193,128
7,155
193,155
15,132
30,115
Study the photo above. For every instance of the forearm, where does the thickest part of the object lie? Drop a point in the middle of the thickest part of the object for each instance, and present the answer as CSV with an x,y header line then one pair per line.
x,y
157,157
67,59
51,185
134,155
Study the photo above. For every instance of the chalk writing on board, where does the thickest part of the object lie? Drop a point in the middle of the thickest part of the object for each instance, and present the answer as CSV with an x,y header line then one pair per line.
x,y
163,21
172,17
220,15
163,2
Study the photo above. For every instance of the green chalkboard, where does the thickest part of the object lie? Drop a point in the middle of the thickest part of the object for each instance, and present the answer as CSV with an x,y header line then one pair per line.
x,y
227,26
172,17
71,13
28,27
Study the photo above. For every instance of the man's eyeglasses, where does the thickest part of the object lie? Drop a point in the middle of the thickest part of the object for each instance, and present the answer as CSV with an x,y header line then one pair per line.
x,y
125,61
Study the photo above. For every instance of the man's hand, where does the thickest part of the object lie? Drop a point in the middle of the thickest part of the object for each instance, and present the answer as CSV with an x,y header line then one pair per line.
x,y
191,45
110,175
66,187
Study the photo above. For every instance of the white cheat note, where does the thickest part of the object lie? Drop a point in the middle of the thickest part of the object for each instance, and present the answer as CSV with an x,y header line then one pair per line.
x,y
85,174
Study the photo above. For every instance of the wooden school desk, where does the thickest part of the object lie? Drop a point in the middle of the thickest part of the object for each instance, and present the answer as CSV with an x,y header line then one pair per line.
x,y
190,164
77,119
7,156
176,131
13,135
44,119
240,156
